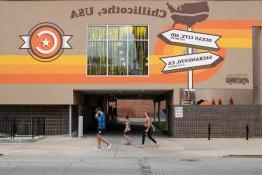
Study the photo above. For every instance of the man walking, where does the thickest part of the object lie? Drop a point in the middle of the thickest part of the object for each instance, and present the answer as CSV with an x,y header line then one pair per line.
x,y
101,126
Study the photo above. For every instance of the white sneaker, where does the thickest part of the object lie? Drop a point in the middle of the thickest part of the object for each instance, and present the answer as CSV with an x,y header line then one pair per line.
x,y
98,149
109,146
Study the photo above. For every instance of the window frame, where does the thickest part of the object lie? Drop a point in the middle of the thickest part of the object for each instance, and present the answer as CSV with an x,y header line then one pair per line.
x,y
107,40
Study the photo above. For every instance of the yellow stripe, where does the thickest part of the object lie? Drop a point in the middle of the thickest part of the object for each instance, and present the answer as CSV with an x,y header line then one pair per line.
x,y
245,33
28,60
235,42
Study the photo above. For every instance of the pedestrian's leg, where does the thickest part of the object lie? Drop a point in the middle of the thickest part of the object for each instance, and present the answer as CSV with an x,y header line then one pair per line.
x,y
126,137
143,138
103,140
128,140
150,136
98,140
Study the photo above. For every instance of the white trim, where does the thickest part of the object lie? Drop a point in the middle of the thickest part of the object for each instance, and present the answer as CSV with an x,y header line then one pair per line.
x,y
70,121
127,59
106,51
148,46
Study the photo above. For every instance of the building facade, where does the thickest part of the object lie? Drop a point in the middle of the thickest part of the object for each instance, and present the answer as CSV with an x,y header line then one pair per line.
x,y
61,59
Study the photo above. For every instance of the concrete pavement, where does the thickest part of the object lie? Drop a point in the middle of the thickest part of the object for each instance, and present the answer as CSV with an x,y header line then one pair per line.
x,y
170,147
61,155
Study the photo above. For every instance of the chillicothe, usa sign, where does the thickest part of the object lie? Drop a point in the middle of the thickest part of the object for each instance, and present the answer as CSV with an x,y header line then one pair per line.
x,y
193,61
186,38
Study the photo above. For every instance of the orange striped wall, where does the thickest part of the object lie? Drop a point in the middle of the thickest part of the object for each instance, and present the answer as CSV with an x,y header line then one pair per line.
x,y
72,68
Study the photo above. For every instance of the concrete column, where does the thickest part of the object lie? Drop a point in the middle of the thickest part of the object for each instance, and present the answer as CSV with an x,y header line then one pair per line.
x,y
176,97
70,121
173,99
257,65
80,126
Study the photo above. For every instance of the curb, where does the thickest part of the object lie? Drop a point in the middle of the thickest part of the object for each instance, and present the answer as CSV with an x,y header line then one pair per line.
x,y
21,140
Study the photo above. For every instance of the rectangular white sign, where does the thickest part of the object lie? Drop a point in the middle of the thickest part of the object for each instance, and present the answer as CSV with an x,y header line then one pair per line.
x,y
179,112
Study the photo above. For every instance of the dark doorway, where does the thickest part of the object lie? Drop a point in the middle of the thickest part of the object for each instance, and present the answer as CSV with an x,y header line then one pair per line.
x,y
117,105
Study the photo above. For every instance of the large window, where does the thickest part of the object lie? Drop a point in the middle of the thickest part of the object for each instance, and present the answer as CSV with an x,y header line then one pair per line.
x,y
117,50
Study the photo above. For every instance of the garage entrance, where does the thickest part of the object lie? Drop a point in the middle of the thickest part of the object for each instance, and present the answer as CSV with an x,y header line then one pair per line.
x,y
118,104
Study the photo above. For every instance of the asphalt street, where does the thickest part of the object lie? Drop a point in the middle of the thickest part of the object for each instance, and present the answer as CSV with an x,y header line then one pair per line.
x,y
131,166
61,155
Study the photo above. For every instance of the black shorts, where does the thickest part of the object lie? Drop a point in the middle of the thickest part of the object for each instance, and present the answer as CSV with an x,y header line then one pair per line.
x,y
100,131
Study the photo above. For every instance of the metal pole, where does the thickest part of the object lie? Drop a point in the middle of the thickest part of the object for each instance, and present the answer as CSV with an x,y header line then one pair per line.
x,y
70,121
154,111
158,108
209,131
190,72
247,132
33,127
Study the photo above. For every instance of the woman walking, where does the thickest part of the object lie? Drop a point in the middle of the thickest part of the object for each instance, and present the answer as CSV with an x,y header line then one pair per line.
x,y
148,129
127,131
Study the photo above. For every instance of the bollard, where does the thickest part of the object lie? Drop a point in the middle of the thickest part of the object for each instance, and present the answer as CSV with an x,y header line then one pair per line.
x,y
209,131
80,126
13,132
33,127
247,132
12,128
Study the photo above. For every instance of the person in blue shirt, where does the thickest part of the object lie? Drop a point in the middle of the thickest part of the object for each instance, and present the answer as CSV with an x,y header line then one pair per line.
x,y
101,126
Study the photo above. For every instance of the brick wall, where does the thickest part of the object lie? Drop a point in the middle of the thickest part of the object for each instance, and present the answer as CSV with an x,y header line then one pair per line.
x,y
134,108
226,121
56,116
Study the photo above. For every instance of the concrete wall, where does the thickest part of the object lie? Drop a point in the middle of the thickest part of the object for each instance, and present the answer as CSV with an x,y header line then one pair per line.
x,y
257,64
239,96
54,90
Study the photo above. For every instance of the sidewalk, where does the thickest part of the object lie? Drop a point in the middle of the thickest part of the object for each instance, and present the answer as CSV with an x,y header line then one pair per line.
x,y
21,139
64,146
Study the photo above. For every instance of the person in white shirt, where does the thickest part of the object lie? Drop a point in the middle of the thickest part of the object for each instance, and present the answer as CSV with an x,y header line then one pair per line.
x,y
127,131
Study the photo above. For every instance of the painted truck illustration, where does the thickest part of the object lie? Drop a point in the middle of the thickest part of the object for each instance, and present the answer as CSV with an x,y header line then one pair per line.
x,y
237,79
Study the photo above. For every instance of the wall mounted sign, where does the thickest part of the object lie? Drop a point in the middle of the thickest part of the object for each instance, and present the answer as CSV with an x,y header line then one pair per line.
x,y
179,112
189,14
118,10
45,42
192,61
194,39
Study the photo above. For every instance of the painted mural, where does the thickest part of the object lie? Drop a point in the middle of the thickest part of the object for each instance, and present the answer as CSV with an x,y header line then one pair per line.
x,y
72,69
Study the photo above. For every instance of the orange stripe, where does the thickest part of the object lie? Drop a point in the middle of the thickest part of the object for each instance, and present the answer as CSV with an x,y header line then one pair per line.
x,y
229,24
180,77
69,79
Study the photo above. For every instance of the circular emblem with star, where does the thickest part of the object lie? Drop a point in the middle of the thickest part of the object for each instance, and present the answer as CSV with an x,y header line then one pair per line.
x,y
46,41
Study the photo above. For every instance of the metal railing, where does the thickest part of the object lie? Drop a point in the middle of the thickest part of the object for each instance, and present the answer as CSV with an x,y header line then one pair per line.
x,y
21,126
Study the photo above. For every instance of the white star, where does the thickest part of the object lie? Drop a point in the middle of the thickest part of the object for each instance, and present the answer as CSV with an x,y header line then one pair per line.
x,y
45,42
